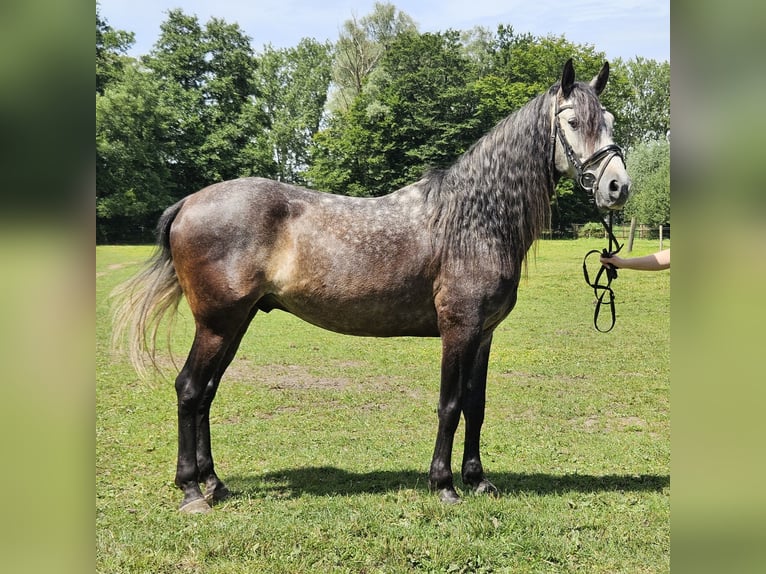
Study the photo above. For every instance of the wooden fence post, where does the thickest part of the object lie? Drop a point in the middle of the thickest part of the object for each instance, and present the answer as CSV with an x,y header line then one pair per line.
x,y
632,234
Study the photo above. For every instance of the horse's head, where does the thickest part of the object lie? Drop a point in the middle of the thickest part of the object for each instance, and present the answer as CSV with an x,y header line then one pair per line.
x,y
582,130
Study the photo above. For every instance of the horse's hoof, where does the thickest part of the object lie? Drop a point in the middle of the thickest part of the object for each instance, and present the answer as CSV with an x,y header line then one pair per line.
x,y
196,506
449,496
486,487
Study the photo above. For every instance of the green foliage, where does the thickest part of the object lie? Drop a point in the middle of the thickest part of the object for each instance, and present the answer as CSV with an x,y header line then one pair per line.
x,y
361,45
536,62
181,119
293,85
591,229
645,109
570,205
132,180
649,167
416,112
363,117
206,77
111,48
326,439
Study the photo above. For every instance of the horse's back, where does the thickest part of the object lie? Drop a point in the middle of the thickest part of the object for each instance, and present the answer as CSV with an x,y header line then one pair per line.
x,y
254,212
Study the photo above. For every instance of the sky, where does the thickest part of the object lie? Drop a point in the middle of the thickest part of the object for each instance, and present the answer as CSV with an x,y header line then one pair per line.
x,y
621,29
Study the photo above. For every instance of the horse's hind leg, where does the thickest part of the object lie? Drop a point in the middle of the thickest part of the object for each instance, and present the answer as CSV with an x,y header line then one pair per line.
x,y
215,489
213,348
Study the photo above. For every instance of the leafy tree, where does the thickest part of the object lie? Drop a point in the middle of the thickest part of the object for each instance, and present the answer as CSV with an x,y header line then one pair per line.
x,y
111,49
570,205
201,107
133,183
480,45
293,85
536,62
416,111
183,118
645,110
207,79
649,167
361,45
430,101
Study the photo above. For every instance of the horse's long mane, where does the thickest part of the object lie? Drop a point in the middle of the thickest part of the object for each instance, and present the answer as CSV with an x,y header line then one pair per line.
x,y
494,201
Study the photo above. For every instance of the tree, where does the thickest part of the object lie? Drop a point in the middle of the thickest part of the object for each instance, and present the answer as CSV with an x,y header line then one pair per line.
x,y
184,117
364,117
645,109
417,110
361,45
207,79
133,183
536,62
649,167
293,85
111,49
430,101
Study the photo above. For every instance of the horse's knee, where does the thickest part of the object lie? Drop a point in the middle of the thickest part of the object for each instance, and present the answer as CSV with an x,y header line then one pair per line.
x,y
449,415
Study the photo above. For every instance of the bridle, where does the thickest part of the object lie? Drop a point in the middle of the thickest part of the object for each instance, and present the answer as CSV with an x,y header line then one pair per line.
x,y
589,181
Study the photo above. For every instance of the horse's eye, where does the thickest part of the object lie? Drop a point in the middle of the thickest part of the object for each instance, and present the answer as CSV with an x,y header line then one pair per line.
x,y
574,123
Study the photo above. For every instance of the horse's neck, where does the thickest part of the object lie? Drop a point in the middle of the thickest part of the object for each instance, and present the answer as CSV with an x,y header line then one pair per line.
x,y
501,184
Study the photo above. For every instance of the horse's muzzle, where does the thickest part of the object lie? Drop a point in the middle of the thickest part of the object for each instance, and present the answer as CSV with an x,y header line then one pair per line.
x,y
618,193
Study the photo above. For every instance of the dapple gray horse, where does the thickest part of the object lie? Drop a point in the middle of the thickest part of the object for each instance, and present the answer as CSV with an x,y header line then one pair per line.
x,y
441,257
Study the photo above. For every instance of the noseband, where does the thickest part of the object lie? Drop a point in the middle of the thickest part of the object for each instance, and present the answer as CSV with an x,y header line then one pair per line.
x,y
590,181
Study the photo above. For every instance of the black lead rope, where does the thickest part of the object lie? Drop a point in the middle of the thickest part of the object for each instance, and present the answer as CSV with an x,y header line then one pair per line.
x,y
600,291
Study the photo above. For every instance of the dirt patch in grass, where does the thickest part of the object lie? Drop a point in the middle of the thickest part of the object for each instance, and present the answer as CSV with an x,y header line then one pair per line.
x,y
610,423
301,377
344,376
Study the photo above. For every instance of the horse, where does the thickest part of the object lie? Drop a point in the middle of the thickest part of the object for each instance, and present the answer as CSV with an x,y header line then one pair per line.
x,y
441,257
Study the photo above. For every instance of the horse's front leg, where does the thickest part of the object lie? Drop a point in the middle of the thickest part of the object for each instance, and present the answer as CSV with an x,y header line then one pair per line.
x,y
474,402
459,346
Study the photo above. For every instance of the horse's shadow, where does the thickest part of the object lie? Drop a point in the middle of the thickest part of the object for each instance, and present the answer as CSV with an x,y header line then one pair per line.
x,y
332,481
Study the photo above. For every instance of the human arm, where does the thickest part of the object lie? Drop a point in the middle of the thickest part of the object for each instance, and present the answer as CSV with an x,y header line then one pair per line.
x,y
654,262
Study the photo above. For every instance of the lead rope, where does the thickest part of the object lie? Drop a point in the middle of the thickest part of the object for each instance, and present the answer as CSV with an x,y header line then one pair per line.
x,y
611,274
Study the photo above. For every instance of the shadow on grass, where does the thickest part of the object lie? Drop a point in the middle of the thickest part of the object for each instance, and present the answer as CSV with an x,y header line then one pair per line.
x,y
331,481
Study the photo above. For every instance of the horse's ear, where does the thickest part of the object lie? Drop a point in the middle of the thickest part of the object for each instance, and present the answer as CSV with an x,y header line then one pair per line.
x,y
567,78
599,82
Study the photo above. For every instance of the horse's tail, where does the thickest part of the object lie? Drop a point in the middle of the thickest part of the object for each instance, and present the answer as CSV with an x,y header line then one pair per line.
x,y
142,301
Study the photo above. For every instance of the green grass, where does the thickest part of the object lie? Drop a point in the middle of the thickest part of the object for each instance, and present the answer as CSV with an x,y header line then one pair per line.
x,y
326,441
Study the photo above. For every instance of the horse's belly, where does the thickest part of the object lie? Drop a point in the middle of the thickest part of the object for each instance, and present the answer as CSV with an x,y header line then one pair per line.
x,y
382,316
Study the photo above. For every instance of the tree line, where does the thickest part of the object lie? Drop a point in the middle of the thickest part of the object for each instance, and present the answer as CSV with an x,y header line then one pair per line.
x,y
361,116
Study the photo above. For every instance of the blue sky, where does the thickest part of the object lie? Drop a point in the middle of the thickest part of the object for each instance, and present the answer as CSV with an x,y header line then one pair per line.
x,y
619,28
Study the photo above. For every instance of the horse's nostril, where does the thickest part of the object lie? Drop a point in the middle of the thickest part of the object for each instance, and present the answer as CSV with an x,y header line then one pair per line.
x,y
614,186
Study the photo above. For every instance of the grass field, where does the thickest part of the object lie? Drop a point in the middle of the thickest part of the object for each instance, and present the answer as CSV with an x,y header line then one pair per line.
x,y
326,442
